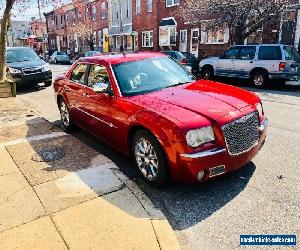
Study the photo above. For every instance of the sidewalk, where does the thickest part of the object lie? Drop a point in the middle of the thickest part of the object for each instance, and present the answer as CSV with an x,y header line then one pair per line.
x,y
58,193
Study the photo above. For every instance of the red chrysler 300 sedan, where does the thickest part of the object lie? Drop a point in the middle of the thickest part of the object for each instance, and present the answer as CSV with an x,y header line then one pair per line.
x,y
150,107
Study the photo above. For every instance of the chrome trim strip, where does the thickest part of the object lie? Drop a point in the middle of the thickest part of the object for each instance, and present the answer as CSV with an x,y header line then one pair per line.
x,y
264,125
107,123
115,79
206,153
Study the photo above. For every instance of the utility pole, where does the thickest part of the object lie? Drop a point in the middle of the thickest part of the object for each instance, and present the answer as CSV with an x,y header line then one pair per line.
x,y
43,35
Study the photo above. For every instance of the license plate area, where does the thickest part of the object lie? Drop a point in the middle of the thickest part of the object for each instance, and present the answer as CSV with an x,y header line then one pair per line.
x,y
217,171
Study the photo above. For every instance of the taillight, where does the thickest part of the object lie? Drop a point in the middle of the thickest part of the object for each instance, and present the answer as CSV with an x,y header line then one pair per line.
x,y
282,66
184,61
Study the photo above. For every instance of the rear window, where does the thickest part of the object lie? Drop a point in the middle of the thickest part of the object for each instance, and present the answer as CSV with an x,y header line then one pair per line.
x,y
269,53
290,53
247,53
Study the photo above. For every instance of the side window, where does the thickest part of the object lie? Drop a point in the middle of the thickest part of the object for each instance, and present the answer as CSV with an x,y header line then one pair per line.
x,y
247,53
269,53
98,75
78,73
232,53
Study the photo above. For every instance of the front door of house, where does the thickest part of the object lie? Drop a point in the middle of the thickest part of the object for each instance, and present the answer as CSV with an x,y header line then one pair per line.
x,y
195,41
183,41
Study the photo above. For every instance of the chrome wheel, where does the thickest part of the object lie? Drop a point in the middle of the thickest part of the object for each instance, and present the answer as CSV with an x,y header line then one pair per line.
x,y
259,80
146,159
64,113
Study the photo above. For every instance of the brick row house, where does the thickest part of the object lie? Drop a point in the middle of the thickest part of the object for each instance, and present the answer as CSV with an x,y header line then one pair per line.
x,y
155,25
67,24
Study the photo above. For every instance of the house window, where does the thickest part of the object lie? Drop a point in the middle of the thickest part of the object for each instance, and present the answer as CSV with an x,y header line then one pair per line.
x,y
214,36
103,10
170,3
127,8
147,39
138,7
74,18
149,5
94,10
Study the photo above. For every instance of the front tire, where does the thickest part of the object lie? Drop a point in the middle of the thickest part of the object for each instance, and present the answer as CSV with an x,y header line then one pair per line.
x,y
149,158
65,115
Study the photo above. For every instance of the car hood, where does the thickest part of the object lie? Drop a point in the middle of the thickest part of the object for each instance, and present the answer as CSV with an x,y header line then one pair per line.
x,y
206,98
25,64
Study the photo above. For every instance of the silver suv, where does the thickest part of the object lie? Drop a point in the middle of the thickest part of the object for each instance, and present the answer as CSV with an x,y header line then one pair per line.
x,y
259,63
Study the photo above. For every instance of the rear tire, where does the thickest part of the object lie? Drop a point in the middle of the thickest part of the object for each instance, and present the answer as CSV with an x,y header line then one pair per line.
x,y
260,79
149,158
207,73
65,115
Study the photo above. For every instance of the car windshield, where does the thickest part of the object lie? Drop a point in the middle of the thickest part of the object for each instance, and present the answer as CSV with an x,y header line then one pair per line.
x,y
144,76
21,55
291,53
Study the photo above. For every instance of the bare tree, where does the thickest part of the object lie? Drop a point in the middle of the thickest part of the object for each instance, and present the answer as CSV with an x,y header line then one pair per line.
x,y
242,17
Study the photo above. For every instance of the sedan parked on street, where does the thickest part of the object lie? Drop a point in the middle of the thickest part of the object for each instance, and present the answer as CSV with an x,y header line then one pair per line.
x,y
149,107
262,64
59,57
25,67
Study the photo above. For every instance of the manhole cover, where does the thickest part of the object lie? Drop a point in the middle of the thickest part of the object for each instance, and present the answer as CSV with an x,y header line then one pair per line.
x,y
47,155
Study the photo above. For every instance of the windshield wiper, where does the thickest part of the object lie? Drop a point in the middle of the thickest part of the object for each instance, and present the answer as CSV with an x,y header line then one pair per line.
x,y
179,83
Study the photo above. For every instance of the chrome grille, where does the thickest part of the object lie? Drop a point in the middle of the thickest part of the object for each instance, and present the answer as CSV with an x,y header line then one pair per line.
x,y
32,70
242,134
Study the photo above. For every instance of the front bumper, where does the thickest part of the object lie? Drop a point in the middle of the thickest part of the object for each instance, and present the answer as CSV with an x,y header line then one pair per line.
x,y
201,163
21,79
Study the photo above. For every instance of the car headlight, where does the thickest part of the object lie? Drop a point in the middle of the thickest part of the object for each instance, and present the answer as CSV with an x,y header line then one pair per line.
x,y
260,109
14,71
197,137
46,67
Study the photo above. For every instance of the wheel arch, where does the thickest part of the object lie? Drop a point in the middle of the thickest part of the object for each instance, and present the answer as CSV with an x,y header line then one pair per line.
x,y
258,69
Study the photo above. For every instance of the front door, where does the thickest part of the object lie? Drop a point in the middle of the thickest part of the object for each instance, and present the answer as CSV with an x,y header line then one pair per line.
x,y
183,41
225,65
244,64
100,106
195,41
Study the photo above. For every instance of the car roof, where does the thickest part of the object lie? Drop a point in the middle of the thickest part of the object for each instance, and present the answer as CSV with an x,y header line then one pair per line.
x,y
17,48
122,58
272,44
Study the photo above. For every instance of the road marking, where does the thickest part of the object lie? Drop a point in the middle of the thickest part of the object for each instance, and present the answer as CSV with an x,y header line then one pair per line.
x,y
33,138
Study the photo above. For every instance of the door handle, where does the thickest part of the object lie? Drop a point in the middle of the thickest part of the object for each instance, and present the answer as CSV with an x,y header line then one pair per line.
x,y
251,61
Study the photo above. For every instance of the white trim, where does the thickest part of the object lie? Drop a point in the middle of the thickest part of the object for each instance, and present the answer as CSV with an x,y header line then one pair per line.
x,y
173,4
144,42
196,53
186,41
170,18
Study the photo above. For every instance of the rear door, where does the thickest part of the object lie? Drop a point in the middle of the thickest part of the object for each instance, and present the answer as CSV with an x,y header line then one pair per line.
x,y
74,91
269,58
244,64
225,66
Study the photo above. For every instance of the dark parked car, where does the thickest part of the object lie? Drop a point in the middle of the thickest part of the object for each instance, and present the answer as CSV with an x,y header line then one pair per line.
x,y
192,61
26,67
178,56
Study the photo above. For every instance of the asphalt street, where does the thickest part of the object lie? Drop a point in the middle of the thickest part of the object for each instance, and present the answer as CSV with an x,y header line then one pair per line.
x,y
261,198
